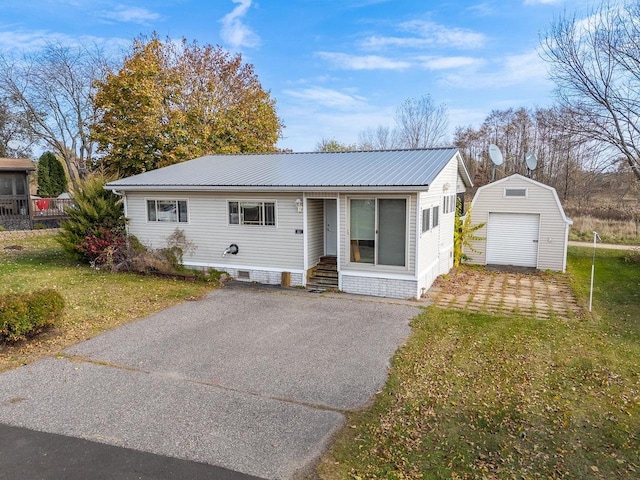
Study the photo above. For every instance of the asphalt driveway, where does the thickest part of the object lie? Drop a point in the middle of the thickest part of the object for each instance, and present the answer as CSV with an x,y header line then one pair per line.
x,y
256,382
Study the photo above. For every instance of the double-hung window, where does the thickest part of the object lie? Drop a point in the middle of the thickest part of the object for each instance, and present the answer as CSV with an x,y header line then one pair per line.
x,y
167,211
436,216
252,213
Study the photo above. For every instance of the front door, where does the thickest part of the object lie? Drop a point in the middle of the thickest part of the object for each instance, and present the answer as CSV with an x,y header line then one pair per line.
x,y
330,227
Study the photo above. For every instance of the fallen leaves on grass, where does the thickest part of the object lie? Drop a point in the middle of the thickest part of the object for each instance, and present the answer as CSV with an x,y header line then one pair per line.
x,y
473,396
95,301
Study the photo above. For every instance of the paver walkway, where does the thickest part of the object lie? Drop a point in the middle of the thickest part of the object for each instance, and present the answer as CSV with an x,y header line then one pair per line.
x,y
536,294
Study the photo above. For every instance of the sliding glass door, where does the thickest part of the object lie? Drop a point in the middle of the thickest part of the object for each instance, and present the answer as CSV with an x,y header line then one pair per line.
x,y
378,230
392,228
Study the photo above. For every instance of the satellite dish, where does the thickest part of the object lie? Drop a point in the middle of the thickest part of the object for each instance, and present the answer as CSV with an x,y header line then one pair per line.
x,y
532,160
14,144
495,154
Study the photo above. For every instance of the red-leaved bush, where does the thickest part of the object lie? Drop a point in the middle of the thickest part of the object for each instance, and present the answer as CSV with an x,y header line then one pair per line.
x,y
101,240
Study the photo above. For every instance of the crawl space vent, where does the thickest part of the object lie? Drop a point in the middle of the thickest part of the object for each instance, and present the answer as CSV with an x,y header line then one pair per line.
x,y
244,275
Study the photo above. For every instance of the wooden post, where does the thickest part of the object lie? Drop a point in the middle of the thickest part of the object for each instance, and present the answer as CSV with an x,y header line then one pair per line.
x,y
285,279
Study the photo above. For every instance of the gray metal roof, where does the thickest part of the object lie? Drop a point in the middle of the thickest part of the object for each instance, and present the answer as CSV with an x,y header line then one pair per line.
x,y
388,169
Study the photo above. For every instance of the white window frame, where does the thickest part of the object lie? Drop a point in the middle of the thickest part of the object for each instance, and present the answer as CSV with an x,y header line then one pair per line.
x,y
241,222
435,216
425,226
449,204
375,264
177,210
526,192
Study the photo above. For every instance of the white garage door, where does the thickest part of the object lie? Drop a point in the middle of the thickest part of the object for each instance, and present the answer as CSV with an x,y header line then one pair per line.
x,y
512,239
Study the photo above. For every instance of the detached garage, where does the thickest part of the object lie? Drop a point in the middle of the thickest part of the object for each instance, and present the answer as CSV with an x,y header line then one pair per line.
x,y
525,225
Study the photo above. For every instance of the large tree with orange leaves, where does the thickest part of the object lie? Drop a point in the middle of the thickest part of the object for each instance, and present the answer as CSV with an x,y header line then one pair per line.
x,y
173,101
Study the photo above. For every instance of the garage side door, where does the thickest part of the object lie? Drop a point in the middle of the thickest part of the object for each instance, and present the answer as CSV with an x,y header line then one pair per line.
x,y
512,239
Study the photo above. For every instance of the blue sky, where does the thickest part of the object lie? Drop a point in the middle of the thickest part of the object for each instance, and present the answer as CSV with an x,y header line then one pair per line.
x,y
335,68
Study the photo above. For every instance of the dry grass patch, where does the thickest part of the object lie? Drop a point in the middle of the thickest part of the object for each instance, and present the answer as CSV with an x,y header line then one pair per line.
x,y
610,230
95,301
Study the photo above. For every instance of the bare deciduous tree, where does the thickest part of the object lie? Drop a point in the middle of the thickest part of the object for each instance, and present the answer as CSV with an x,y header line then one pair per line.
x,y
420,123
379,138
52,90
13,129
595,63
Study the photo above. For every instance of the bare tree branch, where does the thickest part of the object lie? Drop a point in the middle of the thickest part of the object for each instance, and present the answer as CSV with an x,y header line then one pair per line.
x,y
53,89
595,63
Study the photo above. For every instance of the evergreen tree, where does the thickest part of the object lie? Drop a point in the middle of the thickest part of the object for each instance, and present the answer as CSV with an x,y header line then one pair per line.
x,y
52,180
96,220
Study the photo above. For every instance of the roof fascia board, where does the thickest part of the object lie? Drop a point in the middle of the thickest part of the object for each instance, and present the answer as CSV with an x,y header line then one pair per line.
x,y
197,188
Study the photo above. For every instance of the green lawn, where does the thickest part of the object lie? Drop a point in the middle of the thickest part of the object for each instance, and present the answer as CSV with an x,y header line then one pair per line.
x,y
95,300
480,396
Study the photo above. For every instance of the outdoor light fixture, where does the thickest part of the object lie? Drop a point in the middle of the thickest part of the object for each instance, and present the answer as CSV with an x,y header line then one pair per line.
x,y
299,205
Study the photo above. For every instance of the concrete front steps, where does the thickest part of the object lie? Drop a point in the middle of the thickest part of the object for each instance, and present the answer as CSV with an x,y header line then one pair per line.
x,y
324,274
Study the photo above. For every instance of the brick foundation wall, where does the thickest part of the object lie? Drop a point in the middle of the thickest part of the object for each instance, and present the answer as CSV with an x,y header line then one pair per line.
x,y
265,276
379,287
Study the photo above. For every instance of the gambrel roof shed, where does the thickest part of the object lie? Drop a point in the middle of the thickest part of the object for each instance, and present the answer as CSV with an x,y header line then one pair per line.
x,y
524,225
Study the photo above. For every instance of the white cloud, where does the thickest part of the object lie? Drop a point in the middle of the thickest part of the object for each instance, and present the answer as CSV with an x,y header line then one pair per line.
x,y
443,35
123,13
527,68
376,42
29,41
541,2
429,34
236,33
326,97
362,62
448,63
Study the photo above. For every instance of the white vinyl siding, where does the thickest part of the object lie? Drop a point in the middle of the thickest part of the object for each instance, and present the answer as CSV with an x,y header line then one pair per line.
x,y
435,255
512,239
209,230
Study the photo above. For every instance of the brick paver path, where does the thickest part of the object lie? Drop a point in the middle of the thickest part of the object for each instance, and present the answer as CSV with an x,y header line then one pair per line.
x,y
538,295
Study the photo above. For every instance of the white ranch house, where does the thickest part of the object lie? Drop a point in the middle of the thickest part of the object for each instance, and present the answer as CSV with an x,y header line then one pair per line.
x,y
376,223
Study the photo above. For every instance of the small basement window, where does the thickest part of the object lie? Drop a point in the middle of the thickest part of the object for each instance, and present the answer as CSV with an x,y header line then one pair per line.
x,y
515,192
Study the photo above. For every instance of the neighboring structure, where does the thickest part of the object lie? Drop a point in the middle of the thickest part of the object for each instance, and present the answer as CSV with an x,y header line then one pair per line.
x,y
525,225
14,193
377,223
